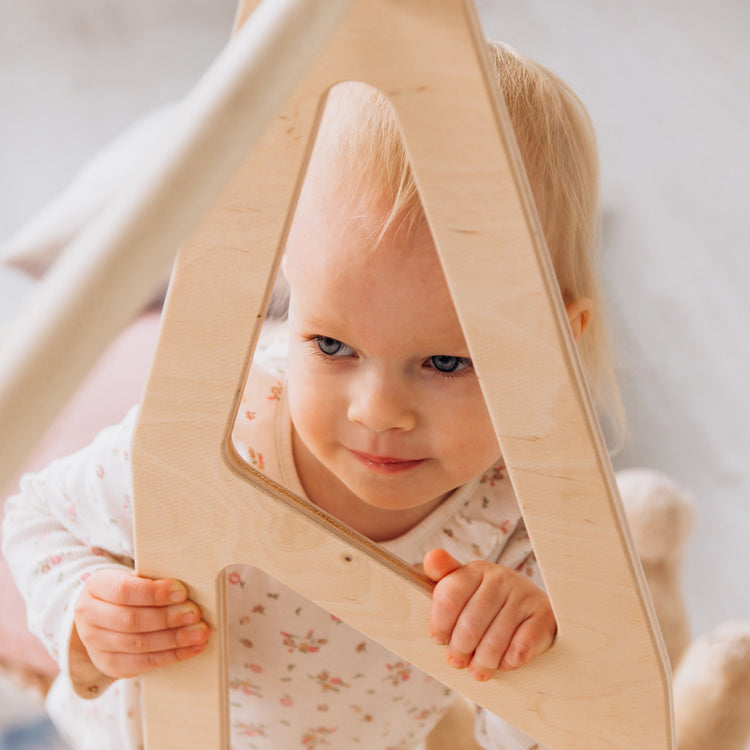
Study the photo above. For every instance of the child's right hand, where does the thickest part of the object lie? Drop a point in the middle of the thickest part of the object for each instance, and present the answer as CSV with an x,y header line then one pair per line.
x,y
131,625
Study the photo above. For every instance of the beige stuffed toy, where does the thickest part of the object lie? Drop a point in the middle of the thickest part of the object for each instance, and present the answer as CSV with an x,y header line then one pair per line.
x,y
712,674
711,680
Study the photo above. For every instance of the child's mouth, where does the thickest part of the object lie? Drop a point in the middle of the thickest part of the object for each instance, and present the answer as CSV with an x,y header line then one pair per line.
x,y
386,464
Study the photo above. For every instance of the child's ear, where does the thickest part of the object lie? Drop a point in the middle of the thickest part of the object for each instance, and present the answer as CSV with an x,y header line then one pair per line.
x,y
579,315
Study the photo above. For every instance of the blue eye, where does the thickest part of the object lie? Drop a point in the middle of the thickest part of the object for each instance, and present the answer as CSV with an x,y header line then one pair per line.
x,y
333,347
449,365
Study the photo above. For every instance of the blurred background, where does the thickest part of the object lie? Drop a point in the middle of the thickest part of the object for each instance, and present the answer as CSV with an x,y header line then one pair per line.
x,y
666,84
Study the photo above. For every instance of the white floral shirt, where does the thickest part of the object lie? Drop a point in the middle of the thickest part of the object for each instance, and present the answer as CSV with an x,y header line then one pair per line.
x,y
298,677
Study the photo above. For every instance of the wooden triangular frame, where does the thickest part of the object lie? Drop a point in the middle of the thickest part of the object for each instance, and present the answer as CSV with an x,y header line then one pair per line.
x,y
605,683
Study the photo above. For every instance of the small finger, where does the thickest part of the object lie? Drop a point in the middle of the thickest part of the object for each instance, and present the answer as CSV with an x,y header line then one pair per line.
x,y
531,638
484,610
449,599
128,589
494,644
131,665
111,642
122,619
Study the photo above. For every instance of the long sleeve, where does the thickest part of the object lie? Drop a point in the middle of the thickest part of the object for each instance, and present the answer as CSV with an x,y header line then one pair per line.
x,y
68,521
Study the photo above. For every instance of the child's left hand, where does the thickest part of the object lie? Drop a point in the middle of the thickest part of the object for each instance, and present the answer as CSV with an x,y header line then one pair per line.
x,y
489,616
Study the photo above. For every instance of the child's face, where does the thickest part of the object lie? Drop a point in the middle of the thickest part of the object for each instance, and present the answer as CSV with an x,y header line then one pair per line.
x,y
384,400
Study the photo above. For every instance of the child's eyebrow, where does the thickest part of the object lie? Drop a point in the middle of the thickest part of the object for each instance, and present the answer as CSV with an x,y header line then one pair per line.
x,y
313,321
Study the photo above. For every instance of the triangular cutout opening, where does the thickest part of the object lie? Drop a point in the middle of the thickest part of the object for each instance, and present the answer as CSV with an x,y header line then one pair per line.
x,y
362,398
385,403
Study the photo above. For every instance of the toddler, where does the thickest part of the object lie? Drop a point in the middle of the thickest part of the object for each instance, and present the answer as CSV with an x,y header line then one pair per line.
x,y
366,402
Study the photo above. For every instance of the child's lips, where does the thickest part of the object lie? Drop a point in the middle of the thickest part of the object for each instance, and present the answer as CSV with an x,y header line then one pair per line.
x,y
387,464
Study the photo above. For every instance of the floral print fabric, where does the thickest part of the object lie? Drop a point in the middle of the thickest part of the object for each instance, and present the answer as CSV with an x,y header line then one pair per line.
x,y
298,677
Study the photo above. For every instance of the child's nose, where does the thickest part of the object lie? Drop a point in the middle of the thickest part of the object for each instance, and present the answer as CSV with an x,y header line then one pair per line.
x,y
380,404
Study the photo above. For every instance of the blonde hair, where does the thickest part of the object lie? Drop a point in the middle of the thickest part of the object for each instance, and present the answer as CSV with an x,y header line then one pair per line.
x,y
362,140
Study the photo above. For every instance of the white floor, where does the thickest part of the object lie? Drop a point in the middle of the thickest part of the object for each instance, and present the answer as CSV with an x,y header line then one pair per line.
x,y
666,83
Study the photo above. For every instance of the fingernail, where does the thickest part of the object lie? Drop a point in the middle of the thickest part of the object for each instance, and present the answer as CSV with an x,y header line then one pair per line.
x,y
438,639
509,664
190,617
198,633
178,593
457,661
480,674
